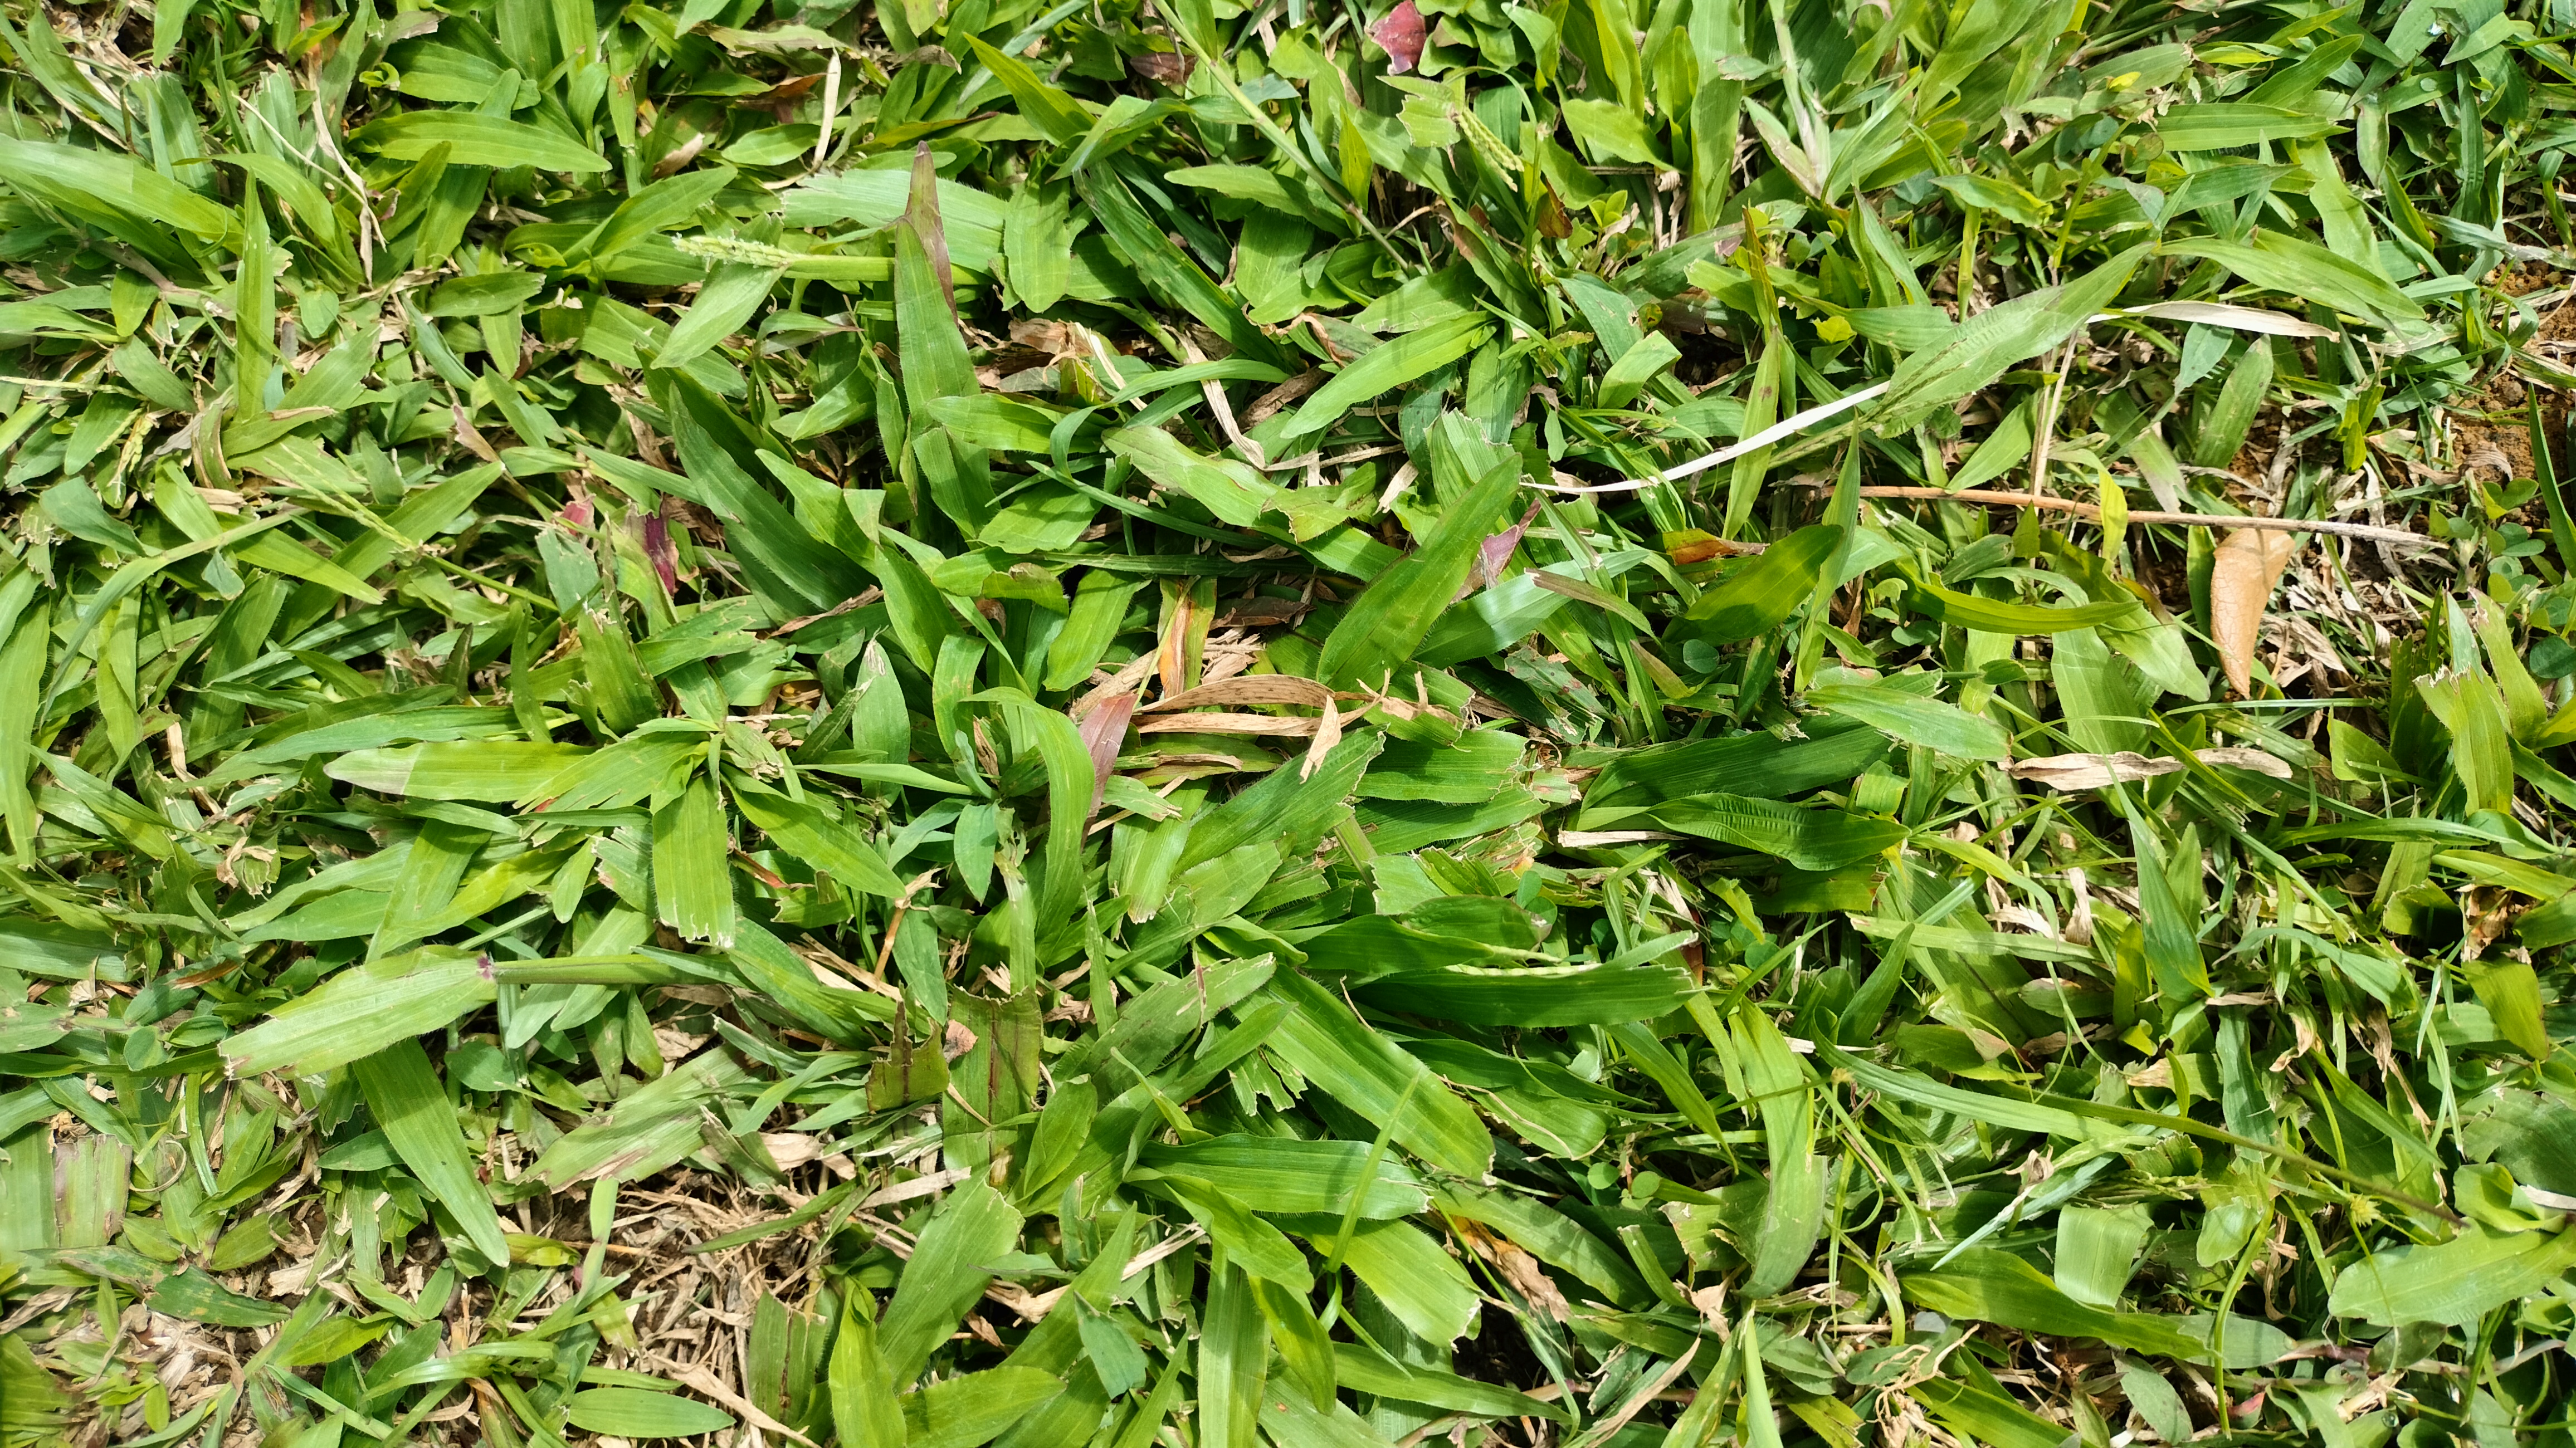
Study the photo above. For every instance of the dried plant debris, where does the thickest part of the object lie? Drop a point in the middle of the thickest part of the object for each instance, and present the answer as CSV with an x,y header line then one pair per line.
x,y
1610,724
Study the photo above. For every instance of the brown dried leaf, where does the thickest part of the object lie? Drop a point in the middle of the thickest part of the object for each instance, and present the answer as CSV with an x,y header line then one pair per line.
x,y
1162,67
1248,689
1328,733
2241,580
1518,1268
2093,771
2253,759
1295,726
1277,398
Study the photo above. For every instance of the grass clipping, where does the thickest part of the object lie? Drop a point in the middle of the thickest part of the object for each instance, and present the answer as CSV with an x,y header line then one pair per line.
x,y
1183,725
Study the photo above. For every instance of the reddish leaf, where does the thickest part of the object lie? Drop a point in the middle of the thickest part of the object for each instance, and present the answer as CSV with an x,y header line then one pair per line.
x,y
657,546
1103,730
1401,35
1493,553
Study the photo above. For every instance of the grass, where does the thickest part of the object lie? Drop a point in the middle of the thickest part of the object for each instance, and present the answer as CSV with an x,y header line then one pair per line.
x,y
1604,724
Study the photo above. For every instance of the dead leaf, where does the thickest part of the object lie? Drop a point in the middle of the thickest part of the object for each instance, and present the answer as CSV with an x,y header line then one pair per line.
x,y
790,1149
2488,912
2253,759
1278,398
2093,771
659,548
1247,689
1328,733
2241,580
1162,67
1492,554
1103,729
1293,726
1518,1267
1401,35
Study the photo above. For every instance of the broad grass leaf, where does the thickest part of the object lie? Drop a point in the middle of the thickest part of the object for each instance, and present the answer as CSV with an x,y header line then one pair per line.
x,y
1984,1414
408,1101
2097,1251
361,1011
1286,808
1251,1243
292,186
2223,125
1233,1361
649,1128
193,1296
2278,262
1425,1287
113,189
931,350
1492,619
692,868
1278,1174
995,423
1988,615
1810,839
665,205
1913,719
1383,369
490,770
2510,990
1166,270
643,1413
1998,1111
947,1273
1055,112
971,219
820,838
720,309
1154,1024
865,1410
1387,622
1370,1074
2224,314
475,139
1754,766
2453,1283
1305,1348
1572,995
1984,346
1234,492
1543,1232
1763,591
2472,709
1983,1285
1072,784
975,1408
779,975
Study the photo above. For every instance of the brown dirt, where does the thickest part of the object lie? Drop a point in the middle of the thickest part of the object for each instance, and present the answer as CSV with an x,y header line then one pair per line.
x,y
2524,280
